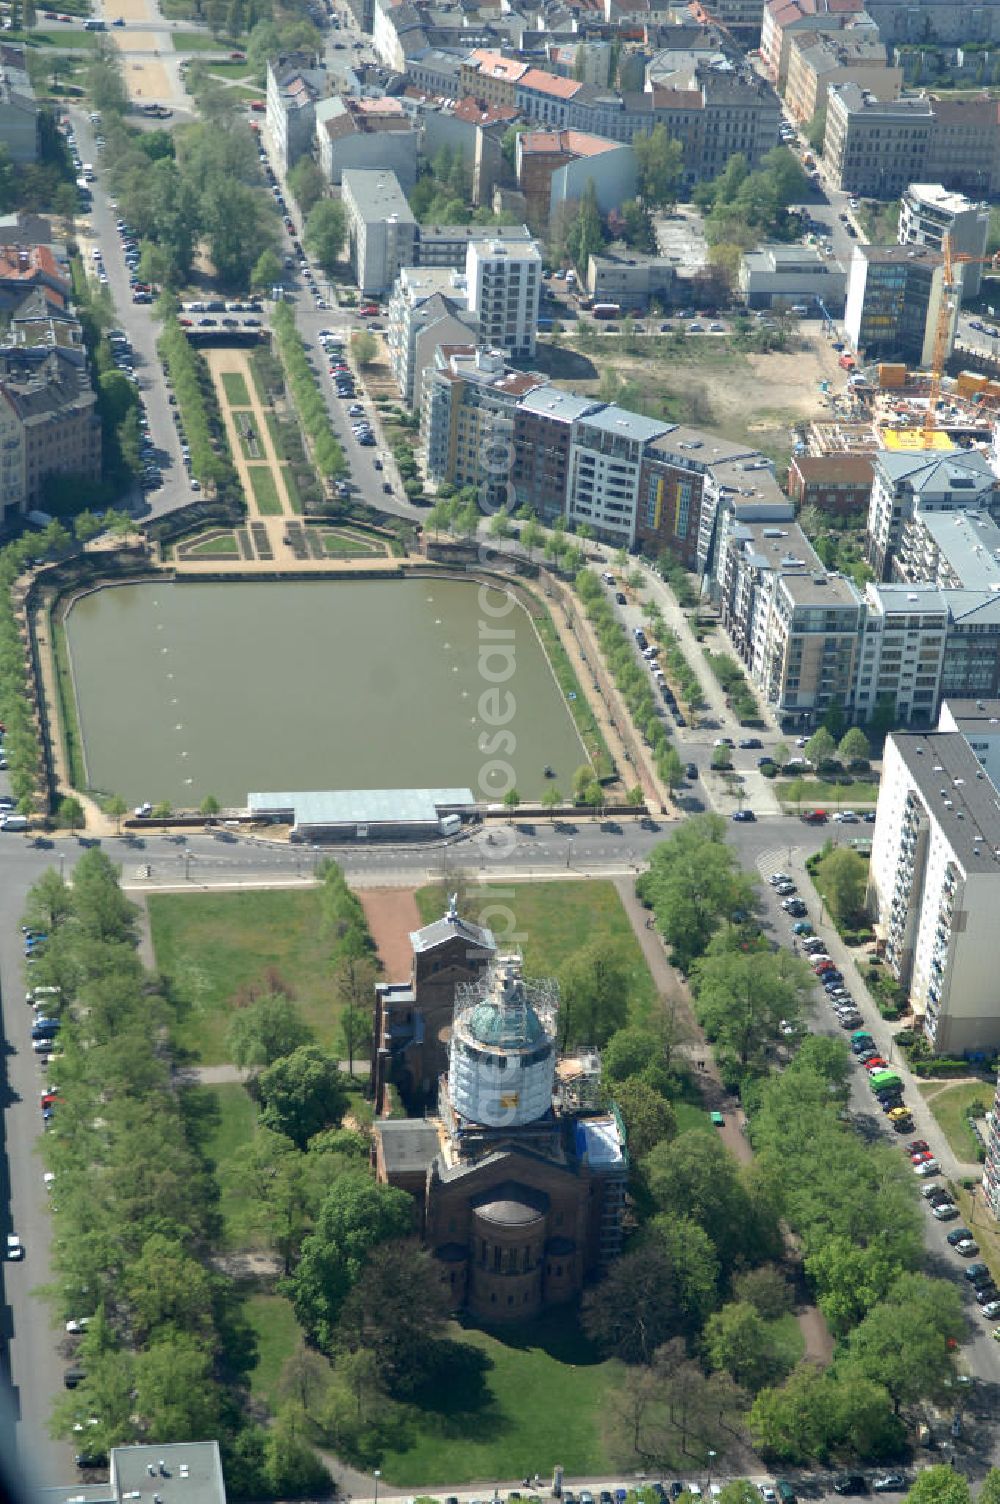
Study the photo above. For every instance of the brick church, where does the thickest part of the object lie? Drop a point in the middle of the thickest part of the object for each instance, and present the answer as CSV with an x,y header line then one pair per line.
x,y
517,1172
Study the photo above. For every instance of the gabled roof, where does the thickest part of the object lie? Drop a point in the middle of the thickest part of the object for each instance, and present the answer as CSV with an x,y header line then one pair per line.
x,y
448,928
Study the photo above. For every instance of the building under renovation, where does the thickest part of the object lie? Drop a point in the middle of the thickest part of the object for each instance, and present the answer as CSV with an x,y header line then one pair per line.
x,y
520,1174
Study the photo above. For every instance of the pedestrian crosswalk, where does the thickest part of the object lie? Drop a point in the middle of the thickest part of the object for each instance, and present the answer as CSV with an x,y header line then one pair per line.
x,y
777,859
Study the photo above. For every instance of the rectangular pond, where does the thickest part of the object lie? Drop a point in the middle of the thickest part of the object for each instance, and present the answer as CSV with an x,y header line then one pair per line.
x,y
189,689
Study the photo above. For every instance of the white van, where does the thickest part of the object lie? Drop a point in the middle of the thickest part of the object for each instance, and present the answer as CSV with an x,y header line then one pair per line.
x,y
450,824
38,994
14,822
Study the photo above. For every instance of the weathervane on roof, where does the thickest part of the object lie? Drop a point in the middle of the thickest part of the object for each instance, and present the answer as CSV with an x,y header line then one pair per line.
x,y
452,906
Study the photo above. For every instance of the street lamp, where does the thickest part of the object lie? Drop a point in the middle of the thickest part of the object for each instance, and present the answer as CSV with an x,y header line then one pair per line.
x,y
377,1476
711,1459
569,848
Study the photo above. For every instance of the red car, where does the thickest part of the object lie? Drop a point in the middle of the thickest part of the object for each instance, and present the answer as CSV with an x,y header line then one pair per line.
x,y
876,1064
258,105
185,323
237,57
824,966
921,1158
917,1146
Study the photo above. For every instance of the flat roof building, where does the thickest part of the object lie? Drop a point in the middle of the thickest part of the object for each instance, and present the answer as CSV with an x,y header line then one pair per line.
x,y
381,229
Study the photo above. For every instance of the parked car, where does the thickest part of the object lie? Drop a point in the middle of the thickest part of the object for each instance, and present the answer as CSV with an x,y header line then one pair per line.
x,y
890,1483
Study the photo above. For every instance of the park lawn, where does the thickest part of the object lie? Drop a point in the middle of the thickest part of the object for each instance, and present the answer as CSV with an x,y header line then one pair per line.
x,y
209,945
245,92
816,792
948,1104
544,1398
226,1118
61,40
226,544
230,70
693,1118
235,388
349,545
202,41
273,1323
551,921
265,490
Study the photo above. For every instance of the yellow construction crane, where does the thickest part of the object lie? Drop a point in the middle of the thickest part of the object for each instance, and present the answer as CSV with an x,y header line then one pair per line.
x,y
950,291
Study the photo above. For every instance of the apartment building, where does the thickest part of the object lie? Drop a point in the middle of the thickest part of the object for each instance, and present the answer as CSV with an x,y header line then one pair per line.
x,y
784,19
605,461
504,282
686,475
18,106
294,84
839,484
470,397
964,151
935,481
448,245
928,212
979,722
420,298
556,166
935,20
817,60
876,148
950,550
543,432
365,133
381,230
49,392
895,299
934,886
795,627
902,652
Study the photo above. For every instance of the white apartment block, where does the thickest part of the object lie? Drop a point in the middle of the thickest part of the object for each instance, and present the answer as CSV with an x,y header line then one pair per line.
x,y
905,481
504,281
415,305
902,656
934,886
928,212
979,723
605,457
381,231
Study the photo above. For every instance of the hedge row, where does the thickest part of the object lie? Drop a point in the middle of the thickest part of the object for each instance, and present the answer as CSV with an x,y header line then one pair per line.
x,y
199,409
307,396
631,679
20,741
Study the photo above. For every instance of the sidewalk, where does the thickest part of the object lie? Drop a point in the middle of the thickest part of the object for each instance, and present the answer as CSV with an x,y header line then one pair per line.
x,y
849,960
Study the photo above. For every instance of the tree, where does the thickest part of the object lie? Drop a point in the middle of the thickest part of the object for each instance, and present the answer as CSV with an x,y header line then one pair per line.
x,y
586,235
396,1312
693,879
70,813
292,1466
816,1413
116,809
766,1289
552,797
301,1094
364,347
854,745
357,1215
635,1308
743,994
904,1343
660,162
842,878
86,526
175,1389
941,1484
594,989
324,233
354,978
738,1340
307,183
989,1493
671,769
696,1176
266,1029
167,1289
50,901
648,1116
820,747
266,271
531,536
511,801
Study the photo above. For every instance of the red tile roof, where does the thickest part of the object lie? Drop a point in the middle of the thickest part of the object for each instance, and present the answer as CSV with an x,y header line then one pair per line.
x,y
547,83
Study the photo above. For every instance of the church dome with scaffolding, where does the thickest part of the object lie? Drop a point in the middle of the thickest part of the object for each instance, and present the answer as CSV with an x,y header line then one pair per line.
x,y
503,1047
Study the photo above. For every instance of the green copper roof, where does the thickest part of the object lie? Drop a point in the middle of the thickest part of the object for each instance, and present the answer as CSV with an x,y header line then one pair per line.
x,y
510,1028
